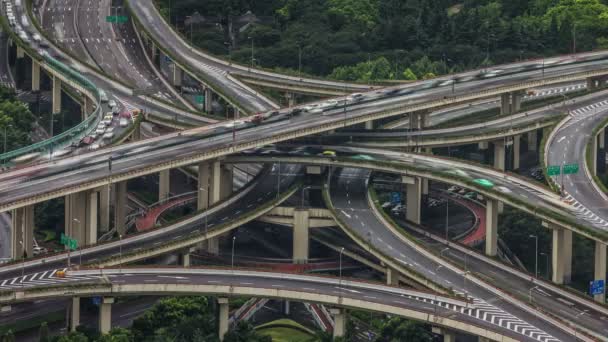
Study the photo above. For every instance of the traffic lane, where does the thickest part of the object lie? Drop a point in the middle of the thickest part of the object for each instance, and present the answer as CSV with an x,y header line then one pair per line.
x,y
264,192
29,310
349,197
59,19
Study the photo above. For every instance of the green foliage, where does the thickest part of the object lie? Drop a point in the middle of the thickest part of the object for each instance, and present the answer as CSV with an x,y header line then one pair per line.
x,y
8,337
43,333
243,332
16,119
397,329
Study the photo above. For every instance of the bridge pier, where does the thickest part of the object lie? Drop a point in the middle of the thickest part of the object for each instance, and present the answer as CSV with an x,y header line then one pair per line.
x,y
226,180
209,186
120,206
561,253
203,186
56,95
105,315
369,125
593,83
532,141
418,120
74,313
164,184
177,76
510,103
81,217
184,257
392,276
600,268
35,75
499,154
291,99
301,242
339,321
208,100
223,317
492,208
22,241
413,198
20,52
448,335
104,208
516,148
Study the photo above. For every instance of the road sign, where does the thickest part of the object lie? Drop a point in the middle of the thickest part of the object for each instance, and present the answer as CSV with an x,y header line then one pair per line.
x,y
69,242
570,169
121,19
596,287
395,197
553,170
200,99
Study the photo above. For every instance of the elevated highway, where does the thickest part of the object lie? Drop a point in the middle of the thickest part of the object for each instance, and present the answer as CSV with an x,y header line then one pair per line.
x,y
427,307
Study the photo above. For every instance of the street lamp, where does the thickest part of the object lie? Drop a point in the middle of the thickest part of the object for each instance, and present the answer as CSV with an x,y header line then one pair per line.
x,y
535,255
443,251
340,268
232,259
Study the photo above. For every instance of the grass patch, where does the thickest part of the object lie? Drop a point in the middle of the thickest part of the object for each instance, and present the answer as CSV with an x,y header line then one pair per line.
x,y
286,330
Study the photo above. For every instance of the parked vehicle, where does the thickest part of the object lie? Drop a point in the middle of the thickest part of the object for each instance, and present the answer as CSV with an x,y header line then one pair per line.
x,y
123,122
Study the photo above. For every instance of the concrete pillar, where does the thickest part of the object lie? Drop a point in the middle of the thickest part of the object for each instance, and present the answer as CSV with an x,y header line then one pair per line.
x,y
448,335
56,95
164,184
35,75
74,313
105,315
499,154
153,51
291,99
300,236
414,120
561,254
81,217
515,148
22,237
482,145
392,276
177,76
203,186
532,140
287,307
601,138
120,207
594,153
208,100
505,103
314,170
516,98
600,268
591,83
215,178
185,258
20,52
369,125
413,198
223,319
104,208
226,187
339,322
491,227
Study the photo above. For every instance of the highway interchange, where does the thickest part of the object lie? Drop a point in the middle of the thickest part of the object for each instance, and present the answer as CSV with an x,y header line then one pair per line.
x,y
348,192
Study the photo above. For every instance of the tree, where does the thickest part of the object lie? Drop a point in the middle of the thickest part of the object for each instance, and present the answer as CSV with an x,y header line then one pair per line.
x,y
8,336
244,332
43,333
117,335
397,329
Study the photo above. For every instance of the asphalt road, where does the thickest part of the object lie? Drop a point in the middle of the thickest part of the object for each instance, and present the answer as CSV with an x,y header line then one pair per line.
x,y
349,197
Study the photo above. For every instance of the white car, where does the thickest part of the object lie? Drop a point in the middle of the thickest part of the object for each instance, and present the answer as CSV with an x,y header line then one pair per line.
x,y
112,103
123,122
39,250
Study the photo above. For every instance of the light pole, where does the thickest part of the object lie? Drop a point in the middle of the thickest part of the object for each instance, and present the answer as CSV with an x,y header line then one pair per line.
x,y
232,259
535,255
340,268
443,251
306,188
279,179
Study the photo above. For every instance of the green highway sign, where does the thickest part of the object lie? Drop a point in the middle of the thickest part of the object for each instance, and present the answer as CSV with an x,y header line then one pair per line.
x,y
121,19
570,169
200,99
69,242
553,170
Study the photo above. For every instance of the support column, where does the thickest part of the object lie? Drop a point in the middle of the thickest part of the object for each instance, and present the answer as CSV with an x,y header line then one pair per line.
x,y
203,186
339,322
505,103
499,154
532,140
105,315
300,236
104,208
561,254
392,276
591,83
20,52
226,186
516,98
413,198
601,136
600,269
185,258
215,177
291,99
223,317
74,313
515,148
177,76
594,153
448,335
369,125
208,100
22,232
81,217
120,207
164,184
35,75
491,227
56,95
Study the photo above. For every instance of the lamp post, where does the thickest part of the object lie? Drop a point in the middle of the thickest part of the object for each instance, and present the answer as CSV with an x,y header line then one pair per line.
x,y
535,255
232,259
306,188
